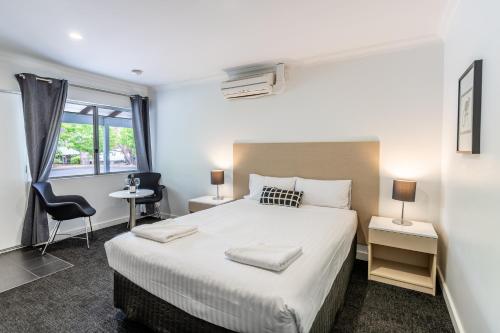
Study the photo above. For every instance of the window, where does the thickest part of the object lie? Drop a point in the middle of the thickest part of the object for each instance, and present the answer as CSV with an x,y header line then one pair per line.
x,y
94,140
116,141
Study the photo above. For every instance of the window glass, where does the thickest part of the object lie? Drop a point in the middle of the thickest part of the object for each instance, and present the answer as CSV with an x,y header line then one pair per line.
x,y
74,153
116,141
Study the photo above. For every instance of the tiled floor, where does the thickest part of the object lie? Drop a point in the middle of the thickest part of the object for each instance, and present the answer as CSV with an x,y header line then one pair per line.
x,y
27,265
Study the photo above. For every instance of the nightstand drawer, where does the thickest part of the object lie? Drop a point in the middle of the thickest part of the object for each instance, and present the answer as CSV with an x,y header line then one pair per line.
x,y
403,241
206,202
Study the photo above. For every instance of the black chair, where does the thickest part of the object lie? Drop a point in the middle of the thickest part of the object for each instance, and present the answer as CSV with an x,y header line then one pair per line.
x,y
150,181
62,208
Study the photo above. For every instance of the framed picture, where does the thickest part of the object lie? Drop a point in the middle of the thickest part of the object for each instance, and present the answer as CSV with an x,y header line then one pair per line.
x,y
469,109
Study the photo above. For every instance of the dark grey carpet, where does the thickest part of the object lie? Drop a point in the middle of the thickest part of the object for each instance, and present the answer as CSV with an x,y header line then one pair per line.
x,y
377,307
80,299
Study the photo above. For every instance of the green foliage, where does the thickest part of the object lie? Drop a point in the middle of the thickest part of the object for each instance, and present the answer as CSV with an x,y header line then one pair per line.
x,y
80,137
119,137
57,158
77,136
122,137
75,160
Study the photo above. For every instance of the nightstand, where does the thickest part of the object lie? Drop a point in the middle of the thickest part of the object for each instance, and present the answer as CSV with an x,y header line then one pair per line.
x,y
404,256
201,203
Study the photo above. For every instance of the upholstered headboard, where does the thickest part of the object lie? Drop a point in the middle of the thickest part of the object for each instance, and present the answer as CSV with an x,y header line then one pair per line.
x,y
358,161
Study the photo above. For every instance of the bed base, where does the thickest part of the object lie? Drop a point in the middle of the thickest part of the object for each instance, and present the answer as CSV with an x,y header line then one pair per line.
x,y
161,316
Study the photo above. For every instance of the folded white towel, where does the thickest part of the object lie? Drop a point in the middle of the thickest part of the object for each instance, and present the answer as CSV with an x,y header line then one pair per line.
x,y
272,257
164,231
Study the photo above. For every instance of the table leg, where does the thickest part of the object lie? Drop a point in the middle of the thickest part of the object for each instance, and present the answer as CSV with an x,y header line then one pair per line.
x,y
132,213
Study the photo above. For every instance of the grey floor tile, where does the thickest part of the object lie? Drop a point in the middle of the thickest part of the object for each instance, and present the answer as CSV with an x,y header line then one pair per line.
x,y
24,253
12,276
4,261
30,259
51,268
25,265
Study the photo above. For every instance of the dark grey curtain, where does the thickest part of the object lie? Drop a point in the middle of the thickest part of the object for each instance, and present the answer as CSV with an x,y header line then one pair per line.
x,y
43,106
140,122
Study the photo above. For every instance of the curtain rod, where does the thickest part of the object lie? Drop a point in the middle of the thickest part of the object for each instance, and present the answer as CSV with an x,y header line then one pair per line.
x,y
82,87
99,90
16,92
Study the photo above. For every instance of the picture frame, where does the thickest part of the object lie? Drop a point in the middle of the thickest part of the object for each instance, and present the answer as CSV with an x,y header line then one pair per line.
x,y
469,109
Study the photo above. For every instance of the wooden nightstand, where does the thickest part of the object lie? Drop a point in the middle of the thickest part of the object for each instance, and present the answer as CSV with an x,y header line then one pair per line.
x,y
404,256
201,203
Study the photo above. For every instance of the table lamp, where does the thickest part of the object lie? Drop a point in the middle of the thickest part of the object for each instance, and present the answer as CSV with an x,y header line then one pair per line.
x,y
217,178
404,191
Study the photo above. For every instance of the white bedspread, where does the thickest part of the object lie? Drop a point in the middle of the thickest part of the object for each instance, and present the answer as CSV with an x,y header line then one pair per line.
x,y
193,274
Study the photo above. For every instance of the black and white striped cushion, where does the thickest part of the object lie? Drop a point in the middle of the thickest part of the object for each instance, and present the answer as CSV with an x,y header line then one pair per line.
x,y
276,196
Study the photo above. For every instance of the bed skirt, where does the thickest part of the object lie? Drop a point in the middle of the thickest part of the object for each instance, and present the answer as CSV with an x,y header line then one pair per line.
x,y
161,316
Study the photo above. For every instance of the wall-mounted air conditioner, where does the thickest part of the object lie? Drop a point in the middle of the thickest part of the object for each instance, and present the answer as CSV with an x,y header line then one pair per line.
x,y
246,85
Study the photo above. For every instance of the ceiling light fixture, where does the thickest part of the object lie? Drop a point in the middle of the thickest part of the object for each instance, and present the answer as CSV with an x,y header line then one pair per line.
x,y
137,71
75,35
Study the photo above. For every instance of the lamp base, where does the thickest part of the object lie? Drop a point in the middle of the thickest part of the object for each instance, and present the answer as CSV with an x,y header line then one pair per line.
x,y
218,197
405,223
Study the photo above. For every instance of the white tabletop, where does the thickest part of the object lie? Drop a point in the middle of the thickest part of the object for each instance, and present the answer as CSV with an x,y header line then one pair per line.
x,y
209,200
422,229
125,194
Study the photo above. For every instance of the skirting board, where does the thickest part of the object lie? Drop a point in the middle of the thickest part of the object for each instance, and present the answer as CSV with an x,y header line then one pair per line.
x,y
17,247
168,215
452,310
95,226
362,252
102,225
76,231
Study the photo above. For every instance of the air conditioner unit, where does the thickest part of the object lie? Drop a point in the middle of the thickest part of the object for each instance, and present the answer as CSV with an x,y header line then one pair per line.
x,y
256,85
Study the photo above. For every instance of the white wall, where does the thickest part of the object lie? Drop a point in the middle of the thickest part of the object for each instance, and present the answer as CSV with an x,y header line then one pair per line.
x,y
471,183
395,98
13,147
12,170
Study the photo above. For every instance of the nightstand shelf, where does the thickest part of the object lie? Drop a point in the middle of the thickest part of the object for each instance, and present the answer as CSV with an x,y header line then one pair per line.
x,y
404,256
405,273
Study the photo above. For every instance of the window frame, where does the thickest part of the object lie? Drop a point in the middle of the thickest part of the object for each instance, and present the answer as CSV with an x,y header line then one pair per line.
x,y
95,125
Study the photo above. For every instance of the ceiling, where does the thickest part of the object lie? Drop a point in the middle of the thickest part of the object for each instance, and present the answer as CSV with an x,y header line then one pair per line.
x,y
173,41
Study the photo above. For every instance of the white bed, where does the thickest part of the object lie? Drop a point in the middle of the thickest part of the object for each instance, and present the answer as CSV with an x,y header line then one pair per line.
x,y
193,274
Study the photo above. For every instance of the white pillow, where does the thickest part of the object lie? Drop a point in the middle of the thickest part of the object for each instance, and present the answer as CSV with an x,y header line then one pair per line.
x,y
325,193
257,182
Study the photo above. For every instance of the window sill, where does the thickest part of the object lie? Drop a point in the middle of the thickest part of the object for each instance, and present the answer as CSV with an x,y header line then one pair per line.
x,y
99,175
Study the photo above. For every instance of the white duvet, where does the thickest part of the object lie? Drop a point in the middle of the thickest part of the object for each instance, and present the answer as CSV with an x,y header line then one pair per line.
x,y
193,274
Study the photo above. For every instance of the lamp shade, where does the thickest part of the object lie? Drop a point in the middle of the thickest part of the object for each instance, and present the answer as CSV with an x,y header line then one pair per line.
x,y
217,177
404,190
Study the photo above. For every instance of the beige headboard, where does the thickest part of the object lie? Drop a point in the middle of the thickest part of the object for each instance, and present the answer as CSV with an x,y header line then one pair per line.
x,y
358,161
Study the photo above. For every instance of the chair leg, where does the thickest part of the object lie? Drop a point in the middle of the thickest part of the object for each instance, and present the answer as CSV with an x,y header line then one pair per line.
x,y
51,237
86,233
91,230
158,210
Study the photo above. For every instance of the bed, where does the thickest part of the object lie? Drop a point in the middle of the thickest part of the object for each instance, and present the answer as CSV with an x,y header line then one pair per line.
x,y
189,286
